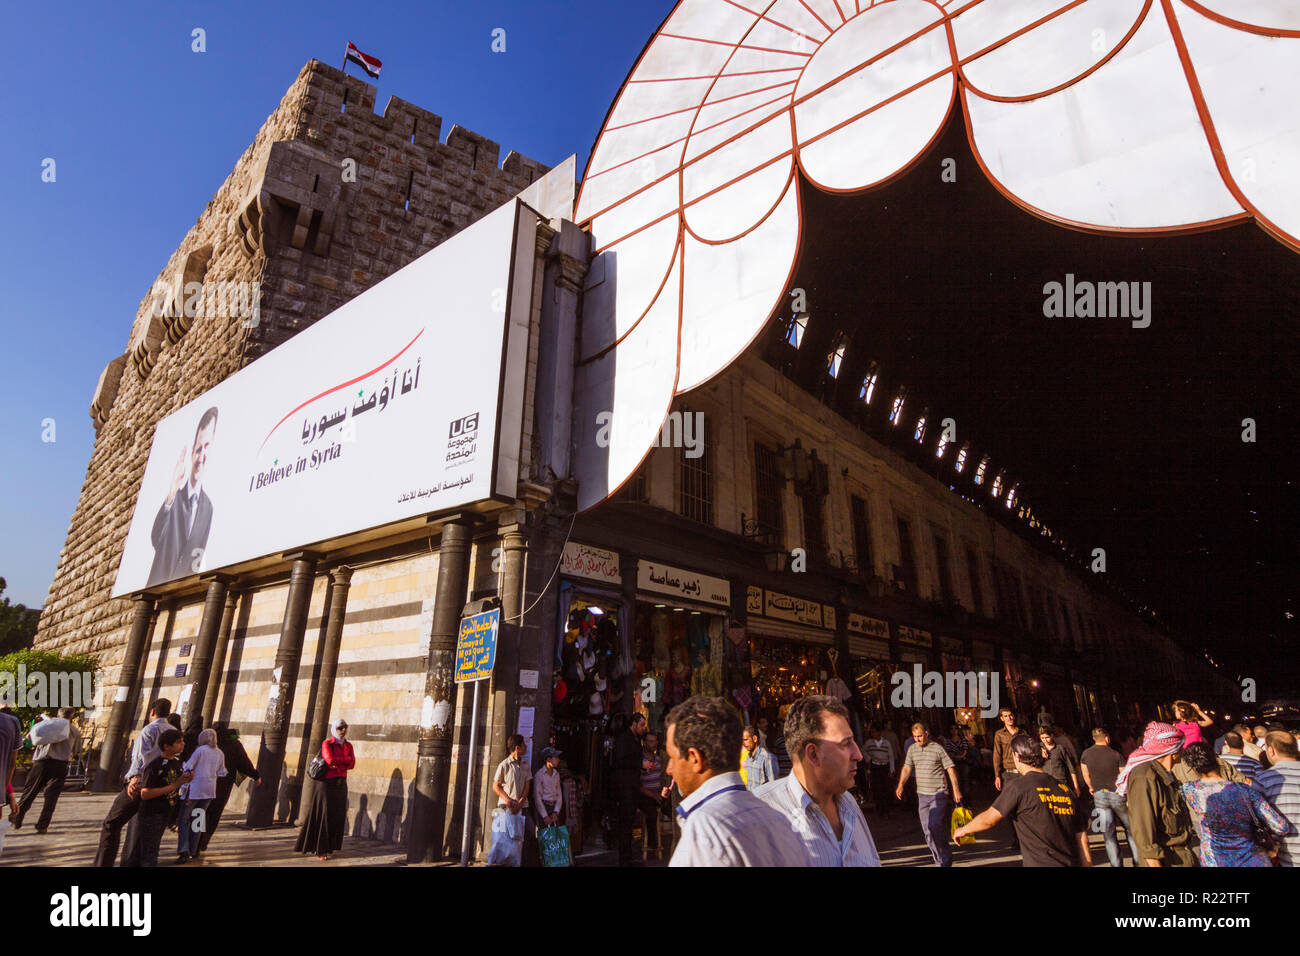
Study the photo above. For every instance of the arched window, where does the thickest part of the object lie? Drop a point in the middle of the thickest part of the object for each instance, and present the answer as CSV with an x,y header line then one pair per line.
x,y
919,434
943,445
869,384
796,326
996,490
1011,498
896,412
979,471
836,358
961,458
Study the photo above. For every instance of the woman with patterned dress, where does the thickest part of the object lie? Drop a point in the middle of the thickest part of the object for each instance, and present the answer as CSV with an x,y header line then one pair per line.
x,y
1227,815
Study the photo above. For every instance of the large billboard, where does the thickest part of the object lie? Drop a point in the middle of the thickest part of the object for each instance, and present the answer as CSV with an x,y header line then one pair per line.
x,y
405,401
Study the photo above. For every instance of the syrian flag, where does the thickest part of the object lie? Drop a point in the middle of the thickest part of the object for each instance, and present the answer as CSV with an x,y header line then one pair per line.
x,y
367,63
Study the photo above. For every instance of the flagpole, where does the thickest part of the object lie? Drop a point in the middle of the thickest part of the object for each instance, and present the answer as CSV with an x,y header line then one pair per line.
x,y
345,60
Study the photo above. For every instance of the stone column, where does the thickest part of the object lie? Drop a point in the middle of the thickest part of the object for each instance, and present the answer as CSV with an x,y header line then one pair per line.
x,y
201,662
284,680
433,768
340,580
107,777
213,695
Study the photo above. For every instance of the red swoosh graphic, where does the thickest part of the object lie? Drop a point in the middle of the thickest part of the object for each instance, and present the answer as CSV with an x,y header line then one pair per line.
x,y
327,391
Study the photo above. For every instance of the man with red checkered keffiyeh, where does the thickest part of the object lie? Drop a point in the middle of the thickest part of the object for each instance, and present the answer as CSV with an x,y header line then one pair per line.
x,y
1161,827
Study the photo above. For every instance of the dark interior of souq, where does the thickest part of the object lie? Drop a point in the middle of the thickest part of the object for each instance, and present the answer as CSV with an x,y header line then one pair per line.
x,y
1131,439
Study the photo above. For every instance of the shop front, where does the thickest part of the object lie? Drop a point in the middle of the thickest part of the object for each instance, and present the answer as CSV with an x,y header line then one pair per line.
x,y
868,644
681,643
591,676
792,654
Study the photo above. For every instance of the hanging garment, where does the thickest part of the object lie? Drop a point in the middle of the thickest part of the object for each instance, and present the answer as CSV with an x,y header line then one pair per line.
x,y
838,689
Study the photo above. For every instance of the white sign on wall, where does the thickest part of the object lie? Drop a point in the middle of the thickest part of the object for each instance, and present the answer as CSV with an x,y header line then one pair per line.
x,y
407,400
585,561
689,585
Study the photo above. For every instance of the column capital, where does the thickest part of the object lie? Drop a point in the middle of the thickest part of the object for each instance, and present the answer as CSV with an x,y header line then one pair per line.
x,y
341,576
217,578
303,555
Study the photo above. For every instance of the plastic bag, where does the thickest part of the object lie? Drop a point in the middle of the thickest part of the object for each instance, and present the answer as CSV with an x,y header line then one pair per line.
x,y
553,842
507,838
960,817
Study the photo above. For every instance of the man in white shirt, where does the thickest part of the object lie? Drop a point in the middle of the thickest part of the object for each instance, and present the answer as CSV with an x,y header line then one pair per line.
x,y
723,824
124,808
815,797
881,764
548,789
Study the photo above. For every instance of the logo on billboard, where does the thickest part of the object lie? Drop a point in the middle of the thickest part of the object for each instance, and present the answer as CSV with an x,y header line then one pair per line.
x,y
462,440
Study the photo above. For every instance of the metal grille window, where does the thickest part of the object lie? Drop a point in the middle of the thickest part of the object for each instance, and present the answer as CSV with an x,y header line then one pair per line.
x,y
973,570
813,529
768,482
697,480
861,532
634,489
945,568
906,558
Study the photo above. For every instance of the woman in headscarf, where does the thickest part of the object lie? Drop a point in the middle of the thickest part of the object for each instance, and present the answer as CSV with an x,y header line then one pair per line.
x,y
1235,823
207,764
322,831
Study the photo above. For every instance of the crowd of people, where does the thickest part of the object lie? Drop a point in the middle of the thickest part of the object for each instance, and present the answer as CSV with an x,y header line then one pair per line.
x,y
1179,798
1185,793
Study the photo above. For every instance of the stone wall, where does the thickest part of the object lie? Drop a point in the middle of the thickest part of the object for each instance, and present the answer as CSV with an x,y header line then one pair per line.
x,y
289,219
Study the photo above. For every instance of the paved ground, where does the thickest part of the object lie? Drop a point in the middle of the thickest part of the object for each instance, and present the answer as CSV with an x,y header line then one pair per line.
x,y
74,835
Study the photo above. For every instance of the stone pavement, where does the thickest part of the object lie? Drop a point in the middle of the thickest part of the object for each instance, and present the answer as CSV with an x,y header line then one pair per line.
x,y
74,836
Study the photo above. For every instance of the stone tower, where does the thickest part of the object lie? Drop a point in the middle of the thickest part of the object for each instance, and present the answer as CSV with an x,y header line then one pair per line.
x,y
329,199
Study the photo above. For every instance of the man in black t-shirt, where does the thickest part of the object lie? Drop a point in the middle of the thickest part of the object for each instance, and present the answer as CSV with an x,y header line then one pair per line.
x,y
1050,829
1101,764
160,780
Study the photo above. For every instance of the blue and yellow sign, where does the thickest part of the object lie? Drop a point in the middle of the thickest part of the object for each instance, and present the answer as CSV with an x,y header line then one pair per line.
x,y
476,646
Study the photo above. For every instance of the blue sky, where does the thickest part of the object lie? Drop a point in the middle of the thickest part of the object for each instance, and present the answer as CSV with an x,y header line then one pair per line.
x,y
143,131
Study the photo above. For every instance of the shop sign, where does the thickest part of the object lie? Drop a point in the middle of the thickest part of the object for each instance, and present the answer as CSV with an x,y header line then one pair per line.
x,y
868,626
914,635
828,617
754,600
586,561
786,607
690,585
476,646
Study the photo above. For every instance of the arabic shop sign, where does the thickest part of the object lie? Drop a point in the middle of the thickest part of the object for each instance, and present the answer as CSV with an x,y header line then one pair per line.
x,y
688,585
753,600
476,646
585,561
914,635
786,607
370,417
868,626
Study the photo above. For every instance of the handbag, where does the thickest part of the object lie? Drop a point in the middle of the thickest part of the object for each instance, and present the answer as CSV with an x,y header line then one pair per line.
x,y
1262,835
553,841
960,817
317,767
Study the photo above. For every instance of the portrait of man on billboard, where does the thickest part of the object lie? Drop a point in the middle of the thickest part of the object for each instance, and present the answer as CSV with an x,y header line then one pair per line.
x,y
180,530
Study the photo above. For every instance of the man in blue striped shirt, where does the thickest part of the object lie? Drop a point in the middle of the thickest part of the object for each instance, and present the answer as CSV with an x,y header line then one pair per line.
x,y
815,797
1281,784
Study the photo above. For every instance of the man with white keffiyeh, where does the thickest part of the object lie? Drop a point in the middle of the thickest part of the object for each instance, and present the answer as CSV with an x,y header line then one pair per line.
x,y
1161,827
